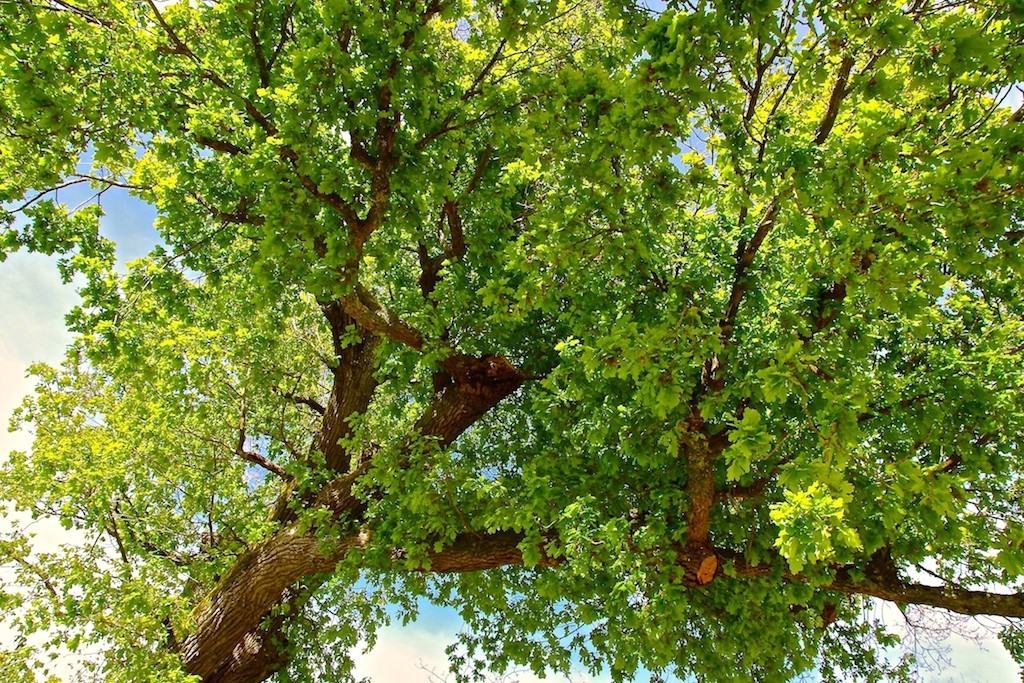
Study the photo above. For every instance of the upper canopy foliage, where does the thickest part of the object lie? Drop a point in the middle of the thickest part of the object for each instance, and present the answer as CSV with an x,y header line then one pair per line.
x,y
647,338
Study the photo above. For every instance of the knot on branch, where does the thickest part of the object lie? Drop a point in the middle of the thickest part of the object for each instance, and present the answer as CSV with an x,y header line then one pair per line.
x,y
483,376
699,562
467,388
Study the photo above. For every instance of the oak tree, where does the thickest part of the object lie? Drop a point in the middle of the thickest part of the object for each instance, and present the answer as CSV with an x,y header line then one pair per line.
x,y
646,337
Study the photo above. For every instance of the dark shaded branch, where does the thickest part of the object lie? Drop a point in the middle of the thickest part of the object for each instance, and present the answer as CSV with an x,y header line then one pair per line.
x,y
114,533
839,91
955,460
173,556
262,66
455,247
219,145
474,88
827,304
478,173
44,578
745,253
469,123
313,404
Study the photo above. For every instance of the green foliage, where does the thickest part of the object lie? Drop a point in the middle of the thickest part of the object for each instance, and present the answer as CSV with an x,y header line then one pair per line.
x,y
763,256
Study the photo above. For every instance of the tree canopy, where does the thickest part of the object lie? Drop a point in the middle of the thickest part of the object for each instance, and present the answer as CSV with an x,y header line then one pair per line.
x,y
646,337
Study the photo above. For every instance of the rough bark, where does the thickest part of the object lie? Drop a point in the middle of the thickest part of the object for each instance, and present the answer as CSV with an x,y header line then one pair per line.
x,y
246,594
351,391
700,451
253,660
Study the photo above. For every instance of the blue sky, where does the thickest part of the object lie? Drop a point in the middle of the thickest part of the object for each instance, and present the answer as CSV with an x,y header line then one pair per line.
x,y
32,329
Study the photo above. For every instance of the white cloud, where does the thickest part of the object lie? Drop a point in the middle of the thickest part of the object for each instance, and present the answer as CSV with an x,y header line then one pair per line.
x,y
976,661
412,653
31,329
402,653
32,311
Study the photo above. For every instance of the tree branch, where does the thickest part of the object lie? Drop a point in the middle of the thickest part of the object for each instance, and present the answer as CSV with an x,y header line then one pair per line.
x,y
712,374
219,145
249,456
370,314
352,388
313,404
182,49
262,65
839,91
62,6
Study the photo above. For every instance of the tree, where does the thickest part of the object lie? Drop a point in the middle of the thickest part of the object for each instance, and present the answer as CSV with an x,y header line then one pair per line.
x,y
650,337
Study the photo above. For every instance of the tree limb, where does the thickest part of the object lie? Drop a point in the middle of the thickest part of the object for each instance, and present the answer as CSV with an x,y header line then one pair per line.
x,y
370,314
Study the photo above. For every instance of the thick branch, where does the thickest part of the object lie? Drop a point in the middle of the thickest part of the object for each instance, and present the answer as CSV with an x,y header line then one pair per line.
x,y
478,384
255,659
839,91
258,654
700,453
351,391
263,651
952,598
881,580
254,585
